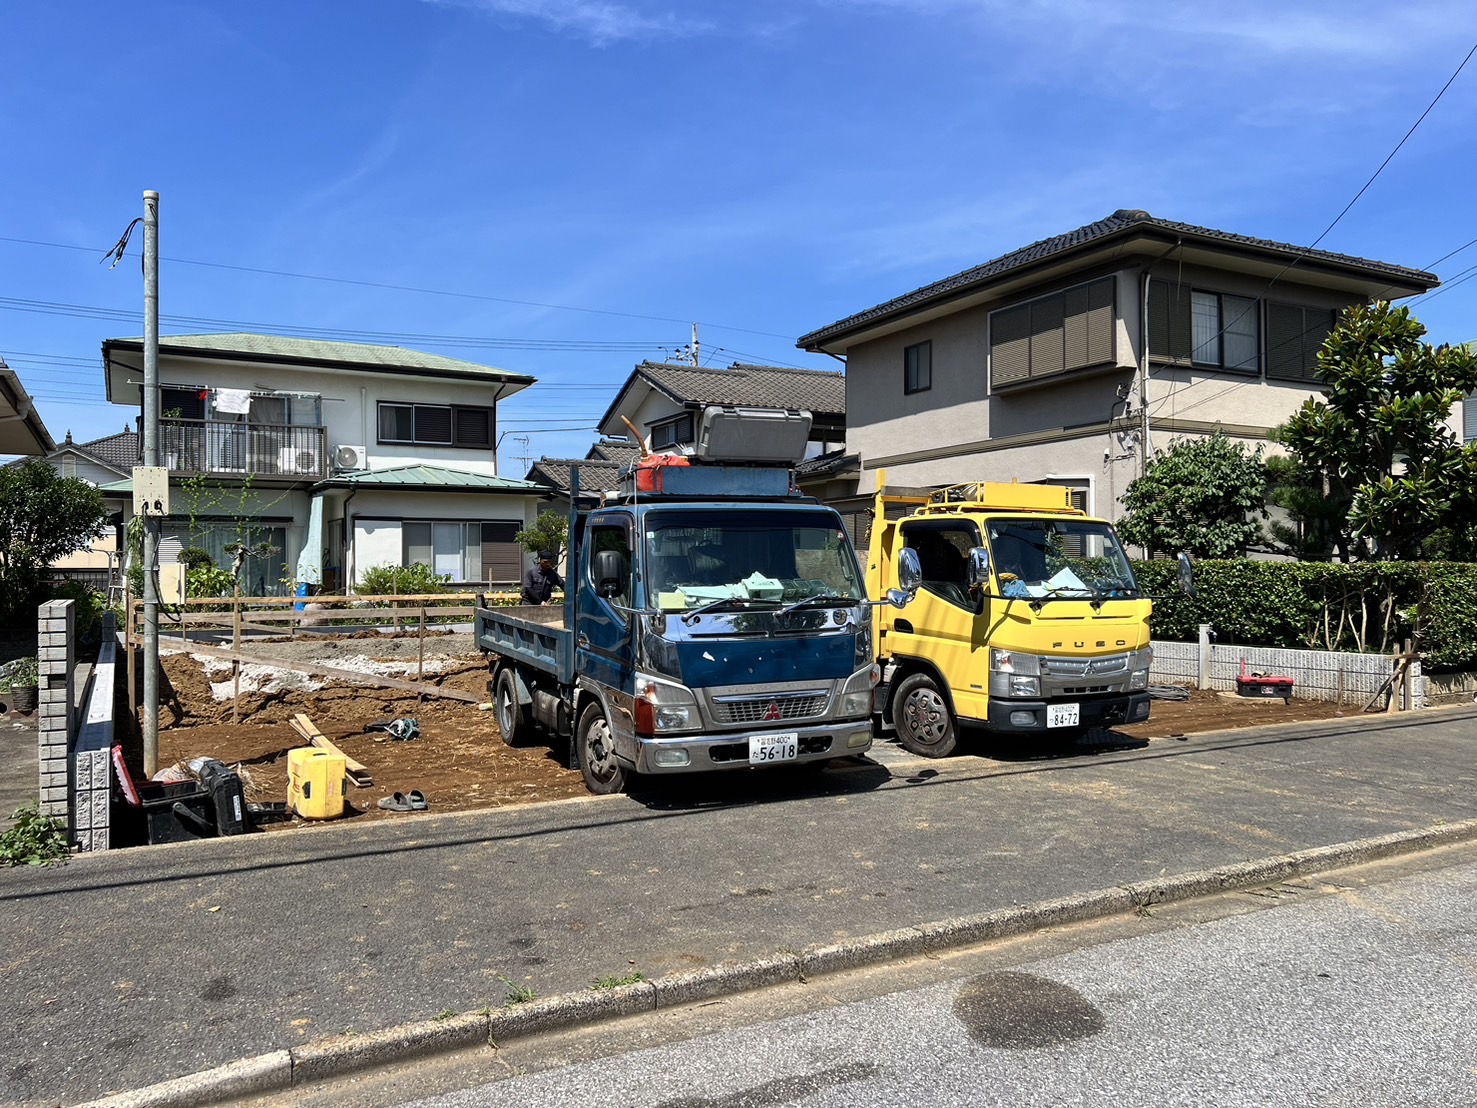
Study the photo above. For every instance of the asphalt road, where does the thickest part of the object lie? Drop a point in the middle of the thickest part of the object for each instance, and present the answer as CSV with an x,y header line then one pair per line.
x,y
125,969
1333,992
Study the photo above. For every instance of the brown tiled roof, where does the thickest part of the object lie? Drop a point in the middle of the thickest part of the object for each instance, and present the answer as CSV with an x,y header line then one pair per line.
x,y
1124,222
555,473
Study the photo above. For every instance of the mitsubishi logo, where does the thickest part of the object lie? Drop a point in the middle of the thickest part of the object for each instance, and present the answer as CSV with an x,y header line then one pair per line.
x,y
774,711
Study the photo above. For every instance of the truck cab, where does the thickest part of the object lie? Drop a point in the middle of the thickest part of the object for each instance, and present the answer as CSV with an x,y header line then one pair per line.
x,y
1027,619
713,620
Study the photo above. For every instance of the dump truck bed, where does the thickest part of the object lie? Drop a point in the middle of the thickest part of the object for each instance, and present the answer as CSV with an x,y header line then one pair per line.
x,y
531,634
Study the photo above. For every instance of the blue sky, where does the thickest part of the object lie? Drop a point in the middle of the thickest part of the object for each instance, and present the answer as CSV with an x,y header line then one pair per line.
x,y
579,180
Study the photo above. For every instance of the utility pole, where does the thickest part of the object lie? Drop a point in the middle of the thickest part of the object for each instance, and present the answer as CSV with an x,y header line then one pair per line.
x,y
695,349
151,459
1144,381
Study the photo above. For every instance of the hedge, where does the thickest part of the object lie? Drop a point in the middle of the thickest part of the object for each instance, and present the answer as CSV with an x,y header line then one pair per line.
x,y
1371,606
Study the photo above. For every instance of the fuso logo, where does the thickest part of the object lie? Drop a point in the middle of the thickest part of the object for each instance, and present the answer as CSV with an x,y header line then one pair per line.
x,y
774,710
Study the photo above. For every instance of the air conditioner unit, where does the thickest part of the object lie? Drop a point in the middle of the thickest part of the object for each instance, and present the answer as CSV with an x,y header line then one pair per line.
x,y
295,459
349,457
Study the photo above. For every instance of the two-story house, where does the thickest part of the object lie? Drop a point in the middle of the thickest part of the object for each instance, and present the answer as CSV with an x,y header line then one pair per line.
x,y
331,457
1070,360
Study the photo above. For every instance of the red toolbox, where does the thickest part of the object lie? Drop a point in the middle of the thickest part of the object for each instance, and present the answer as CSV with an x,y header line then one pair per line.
x,y
1264,687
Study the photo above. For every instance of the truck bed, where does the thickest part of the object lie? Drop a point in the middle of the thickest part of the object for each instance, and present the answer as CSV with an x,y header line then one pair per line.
x,y
531,634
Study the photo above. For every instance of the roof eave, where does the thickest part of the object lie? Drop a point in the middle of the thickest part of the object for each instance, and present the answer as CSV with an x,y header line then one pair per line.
x,y
838,337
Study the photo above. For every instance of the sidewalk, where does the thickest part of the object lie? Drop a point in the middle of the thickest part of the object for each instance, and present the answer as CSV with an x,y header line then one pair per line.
x,y
133,967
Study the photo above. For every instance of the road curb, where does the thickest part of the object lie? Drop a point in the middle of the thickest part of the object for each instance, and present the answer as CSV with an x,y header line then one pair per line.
x,y
283,1069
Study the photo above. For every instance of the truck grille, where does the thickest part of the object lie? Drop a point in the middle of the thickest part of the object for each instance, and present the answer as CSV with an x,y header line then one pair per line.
x,y
772,707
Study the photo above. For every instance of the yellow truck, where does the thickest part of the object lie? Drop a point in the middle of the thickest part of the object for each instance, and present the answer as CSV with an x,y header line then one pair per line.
x,y
1024,617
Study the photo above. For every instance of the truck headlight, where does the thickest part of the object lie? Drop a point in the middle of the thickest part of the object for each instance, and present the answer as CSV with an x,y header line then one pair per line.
x,y
1138,666
1014,674
661,706
856,694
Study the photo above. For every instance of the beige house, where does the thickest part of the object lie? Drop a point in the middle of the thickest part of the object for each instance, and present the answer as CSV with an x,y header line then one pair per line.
x,y
1034,366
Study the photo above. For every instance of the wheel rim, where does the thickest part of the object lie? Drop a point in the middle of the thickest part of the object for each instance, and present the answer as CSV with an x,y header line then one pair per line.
x,y
507,708
925,716
598,754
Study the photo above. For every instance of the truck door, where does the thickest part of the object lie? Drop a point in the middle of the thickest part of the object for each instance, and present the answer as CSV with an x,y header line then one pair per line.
x,y
602,624
945,615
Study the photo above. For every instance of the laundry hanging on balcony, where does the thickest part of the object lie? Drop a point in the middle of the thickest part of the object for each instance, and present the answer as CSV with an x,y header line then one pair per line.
x,y
235,401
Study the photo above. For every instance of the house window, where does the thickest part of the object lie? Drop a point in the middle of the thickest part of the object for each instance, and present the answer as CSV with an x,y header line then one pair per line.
x,y
674,432
1469,419
436,425
502,557
1197,327
1295,334
263,570
1224,330
918,367
451,549
69,465
1068,330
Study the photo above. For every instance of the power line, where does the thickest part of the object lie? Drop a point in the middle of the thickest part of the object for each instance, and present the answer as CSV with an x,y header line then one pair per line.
x,y
1304,251
409,288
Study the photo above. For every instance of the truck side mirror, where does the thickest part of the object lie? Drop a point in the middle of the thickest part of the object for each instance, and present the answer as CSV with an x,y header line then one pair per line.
x,y
979,565
909,570
1186,575
610,573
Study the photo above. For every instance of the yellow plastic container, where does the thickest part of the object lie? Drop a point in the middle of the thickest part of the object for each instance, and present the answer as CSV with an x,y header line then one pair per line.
x,y
315,783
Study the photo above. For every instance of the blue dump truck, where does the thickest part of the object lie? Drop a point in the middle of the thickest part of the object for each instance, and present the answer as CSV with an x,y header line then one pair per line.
x,y
713,619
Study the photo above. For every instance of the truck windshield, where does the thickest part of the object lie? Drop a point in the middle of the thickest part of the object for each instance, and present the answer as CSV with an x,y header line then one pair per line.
x,y
749,560
1059,558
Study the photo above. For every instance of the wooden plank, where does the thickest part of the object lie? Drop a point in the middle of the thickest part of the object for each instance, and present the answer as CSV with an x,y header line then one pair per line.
x,y
351,675
356,771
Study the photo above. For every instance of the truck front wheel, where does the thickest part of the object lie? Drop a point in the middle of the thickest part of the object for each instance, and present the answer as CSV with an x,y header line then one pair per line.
x,y
513,719
924,723
595,749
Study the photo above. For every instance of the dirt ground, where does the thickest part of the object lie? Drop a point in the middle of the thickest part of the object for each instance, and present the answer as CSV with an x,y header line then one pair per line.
x,y
459,761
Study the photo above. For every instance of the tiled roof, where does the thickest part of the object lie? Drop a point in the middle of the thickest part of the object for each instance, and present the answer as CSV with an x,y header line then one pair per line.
x,y
1123,222
120,451
243,346
425,477
821,392
555,473
621,453
823,465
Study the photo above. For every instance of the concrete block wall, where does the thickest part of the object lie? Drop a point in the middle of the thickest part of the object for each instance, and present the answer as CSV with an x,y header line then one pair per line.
x,y
92,766
56,664
1316,674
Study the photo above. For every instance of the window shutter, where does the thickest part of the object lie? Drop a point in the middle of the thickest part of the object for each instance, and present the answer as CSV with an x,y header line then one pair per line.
x,y
1101,320
502,558
1074,328
1469,418
1169,321
432,424
1048,348
1294,336
1010,346
473,427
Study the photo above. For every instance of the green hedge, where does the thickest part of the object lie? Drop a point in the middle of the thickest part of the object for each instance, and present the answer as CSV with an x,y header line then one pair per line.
x,y
1371,606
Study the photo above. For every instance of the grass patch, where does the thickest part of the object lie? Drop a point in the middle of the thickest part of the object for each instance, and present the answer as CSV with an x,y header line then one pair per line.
x,y
617,982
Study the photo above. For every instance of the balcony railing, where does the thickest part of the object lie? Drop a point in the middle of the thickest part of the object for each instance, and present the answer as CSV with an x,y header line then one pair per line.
x,y
260,449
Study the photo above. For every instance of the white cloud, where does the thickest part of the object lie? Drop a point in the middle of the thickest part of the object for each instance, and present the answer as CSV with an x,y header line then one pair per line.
x,y
602,22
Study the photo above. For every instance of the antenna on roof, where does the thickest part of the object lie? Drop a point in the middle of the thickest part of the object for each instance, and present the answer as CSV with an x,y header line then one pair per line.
x,y
696,347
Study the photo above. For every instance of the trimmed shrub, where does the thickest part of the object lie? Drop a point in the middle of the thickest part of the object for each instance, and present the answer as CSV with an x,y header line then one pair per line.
x,y
1368,607
408,580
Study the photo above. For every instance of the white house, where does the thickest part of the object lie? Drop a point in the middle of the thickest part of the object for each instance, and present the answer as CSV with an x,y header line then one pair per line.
x,y
339,456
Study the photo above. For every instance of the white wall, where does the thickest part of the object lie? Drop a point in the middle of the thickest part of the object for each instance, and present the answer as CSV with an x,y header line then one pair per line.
x,y
350,404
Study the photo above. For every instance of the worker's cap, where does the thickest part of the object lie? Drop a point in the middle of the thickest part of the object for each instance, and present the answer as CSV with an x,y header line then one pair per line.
x,y
546,555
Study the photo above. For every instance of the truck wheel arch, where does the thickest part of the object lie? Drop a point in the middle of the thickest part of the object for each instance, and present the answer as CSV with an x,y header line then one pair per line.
x,y
906,667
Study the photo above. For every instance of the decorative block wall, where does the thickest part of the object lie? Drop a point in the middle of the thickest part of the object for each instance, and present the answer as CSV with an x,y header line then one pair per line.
x,y
55,681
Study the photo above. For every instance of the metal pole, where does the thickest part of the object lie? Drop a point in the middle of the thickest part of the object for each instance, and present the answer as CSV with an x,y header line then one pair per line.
x,y
151,458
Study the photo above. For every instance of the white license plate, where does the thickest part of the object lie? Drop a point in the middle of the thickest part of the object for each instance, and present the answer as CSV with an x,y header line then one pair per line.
x,y
1062,715
767,749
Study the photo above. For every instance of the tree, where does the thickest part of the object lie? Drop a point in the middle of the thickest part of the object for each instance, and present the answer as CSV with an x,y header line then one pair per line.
x,y
549,532
1378,446
43,517
1200,496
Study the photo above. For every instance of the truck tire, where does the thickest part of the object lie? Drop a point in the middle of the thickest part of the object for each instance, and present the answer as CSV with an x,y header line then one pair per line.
x,y
925,725
513,719
592,747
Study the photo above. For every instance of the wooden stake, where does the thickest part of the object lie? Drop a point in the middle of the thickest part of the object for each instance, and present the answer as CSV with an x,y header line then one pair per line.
x,y
132,662
236,662
420,666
